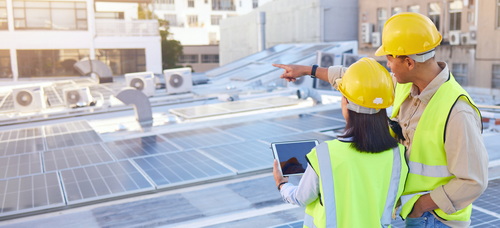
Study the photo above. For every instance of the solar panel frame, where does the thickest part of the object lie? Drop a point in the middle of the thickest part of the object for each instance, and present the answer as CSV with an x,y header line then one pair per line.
x,y
178,168
141,146
201,137
20,165
243,157
75,156
30,193
103,181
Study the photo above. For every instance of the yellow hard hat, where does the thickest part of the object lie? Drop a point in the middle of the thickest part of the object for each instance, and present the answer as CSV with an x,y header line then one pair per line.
x,y
408,34
367,84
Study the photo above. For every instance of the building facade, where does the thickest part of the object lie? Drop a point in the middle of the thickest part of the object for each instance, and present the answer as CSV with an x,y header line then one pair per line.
x,y
196,24
288,21
471,36
45,38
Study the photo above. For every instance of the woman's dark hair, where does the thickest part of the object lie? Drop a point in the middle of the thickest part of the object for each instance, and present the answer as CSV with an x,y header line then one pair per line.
x,y
370,132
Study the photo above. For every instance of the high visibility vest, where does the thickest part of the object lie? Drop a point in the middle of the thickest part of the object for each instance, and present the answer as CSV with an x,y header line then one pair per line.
x,y
427,162
357,189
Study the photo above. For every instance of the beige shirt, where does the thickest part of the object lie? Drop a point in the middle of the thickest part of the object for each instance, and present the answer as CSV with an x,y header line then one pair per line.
x,y
465,151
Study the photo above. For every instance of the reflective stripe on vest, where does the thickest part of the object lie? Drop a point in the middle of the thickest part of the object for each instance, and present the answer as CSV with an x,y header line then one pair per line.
x,y
393,189
325,167
429,170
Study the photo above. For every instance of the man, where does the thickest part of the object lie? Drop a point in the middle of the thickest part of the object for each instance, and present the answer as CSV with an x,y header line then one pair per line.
x,y
440,126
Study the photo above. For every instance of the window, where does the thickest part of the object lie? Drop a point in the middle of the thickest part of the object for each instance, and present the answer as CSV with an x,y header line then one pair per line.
x,y
414,8
191,3
381,18
3,16
188,59
109,15
255,3
50,15
172,19
223,5
397,10
210,58
435,13
164,4
215,19
43,63
192,20
5,67
456,15
495,79
459,71
122,61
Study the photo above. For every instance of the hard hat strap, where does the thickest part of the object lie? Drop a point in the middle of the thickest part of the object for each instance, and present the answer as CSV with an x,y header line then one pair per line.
x,y
422,57
360,109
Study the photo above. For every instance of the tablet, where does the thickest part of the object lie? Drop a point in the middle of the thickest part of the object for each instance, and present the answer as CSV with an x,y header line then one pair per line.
x,y
291,155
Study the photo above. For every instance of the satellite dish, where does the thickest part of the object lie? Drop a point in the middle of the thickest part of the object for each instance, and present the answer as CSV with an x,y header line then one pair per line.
x,y
73,96
137,83
24,98
176,81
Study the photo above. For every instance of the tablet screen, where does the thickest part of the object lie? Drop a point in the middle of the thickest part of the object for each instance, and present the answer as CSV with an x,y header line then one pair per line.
x,y
291,155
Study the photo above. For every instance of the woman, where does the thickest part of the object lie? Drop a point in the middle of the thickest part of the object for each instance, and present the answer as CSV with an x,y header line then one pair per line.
x,y
356,179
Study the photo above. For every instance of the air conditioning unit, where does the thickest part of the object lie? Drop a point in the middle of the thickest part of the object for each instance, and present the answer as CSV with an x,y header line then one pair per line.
x,y
366,32
325,59
178,80
29,99
142,81
77,96
348,59
376,39
472,35
454,37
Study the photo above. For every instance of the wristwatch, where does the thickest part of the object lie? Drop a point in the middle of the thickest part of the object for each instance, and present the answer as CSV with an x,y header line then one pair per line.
x,y
313,71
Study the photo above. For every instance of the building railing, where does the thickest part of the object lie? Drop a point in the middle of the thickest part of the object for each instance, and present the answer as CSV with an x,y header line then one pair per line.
x,y
116,27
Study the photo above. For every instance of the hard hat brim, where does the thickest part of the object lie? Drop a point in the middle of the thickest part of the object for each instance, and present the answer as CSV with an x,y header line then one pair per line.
x,y
380,51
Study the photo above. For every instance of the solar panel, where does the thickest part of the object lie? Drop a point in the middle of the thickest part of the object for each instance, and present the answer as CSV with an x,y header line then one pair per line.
x,y
167,170
198,111
148,145
68,127
20,134
75,157
244,156
256,130
22,146
30,193
72,139
233,107
53,98
103,181
20,165
197,138
306,122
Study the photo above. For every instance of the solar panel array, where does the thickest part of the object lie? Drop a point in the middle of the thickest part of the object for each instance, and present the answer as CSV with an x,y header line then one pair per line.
x,y
59,165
